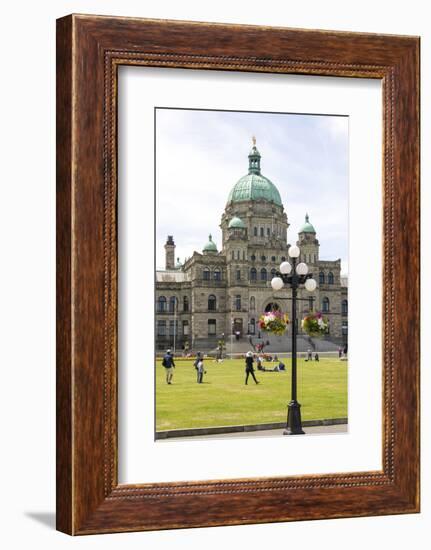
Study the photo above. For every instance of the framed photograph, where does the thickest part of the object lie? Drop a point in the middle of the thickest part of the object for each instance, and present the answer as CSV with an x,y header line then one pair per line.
x,y
237,274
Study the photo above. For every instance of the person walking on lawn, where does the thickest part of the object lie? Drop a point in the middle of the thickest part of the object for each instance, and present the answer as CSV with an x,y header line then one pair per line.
x,y
249,367
196,365
168,363
201,370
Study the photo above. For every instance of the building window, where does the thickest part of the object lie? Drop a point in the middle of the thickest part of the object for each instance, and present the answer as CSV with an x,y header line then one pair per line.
x,y
252,303
273,259
238,254
185,328
253,274
253,257
273,273
321,278
325,305
238,302
263,274
344,328
172,304
206,274
161,304
310,303
232,255
185,303
262,232
173,328
212,327
263,258
255,231
161,328
212,302
283,258
268,232
217,274
330,278
243,254
252,326
344,307
238,274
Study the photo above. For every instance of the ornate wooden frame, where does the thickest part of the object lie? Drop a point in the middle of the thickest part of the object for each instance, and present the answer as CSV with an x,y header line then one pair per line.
x,y
89,51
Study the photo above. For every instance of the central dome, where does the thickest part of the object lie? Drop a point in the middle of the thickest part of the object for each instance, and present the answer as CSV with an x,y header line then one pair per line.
x,y
254,185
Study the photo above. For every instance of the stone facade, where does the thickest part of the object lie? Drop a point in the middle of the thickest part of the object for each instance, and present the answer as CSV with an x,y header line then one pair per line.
x,y
216,292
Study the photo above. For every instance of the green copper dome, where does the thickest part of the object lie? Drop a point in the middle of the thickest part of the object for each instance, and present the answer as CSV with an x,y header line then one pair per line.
x,y
254,185
210,246
236,223
307,227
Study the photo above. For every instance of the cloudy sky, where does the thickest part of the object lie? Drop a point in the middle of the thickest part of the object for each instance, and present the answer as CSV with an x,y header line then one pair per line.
x,y
200,155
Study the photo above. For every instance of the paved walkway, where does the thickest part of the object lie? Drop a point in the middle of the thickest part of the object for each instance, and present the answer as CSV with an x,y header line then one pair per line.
x,y
312,430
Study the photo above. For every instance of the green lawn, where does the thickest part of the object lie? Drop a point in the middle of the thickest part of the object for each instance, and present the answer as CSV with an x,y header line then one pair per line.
x,y
224,400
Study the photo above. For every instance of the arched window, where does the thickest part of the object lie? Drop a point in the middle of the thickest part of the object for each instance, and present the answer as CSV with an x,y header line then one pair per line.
x,y
273,258
238,302
330,278
217,274
262,233
344,307
253,257
252,303
283,258
161,304
255,231
263,274
252,326
273,273
253,274
206,274
325,305
185,303
321,278
172,304
263,258
212,302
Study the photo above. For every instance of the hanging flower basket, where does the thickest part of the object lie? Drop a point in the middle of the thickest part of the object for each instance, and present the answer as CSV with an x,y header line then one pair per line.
x,y
315,324
274,322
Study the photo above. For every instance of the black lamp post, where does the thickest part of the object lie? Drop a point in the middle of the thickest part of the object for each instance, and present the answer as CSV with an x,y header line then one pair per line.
x,y
294,275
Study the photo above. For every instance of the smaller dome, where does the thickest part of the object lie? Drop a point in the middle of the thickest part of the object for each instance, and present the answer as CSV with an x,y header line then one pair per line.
x,y
236,223
178,265
210,246
307,227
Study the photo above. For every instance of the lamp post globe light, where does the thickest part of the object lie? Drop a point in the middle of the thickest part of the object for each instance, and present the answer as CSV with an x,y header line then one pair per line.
x,y
293,275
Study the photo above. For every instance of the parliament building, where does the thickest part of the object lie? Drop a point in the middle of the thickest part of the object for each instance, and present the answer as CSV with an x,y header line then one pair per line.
x,y
223,289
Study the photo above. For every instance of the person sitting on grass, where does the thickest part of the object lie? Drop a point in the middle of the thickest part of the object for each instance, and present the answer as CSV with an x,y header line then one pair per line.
x,y
280,367
168,363
259,363
249,367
